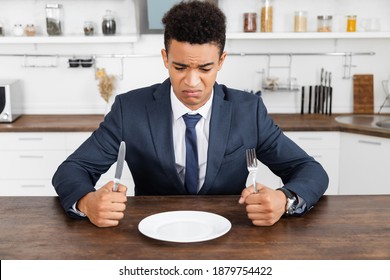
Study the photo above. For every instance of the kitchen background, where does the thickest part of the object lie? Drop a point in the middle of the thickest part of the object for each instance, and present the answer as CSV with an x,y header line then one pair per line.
x,y
50,86
64,90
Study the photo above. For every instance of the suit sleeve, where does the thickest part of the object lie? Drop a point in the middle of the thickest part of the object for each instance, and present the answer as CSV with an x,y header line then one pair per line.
x,y
299,172
78,174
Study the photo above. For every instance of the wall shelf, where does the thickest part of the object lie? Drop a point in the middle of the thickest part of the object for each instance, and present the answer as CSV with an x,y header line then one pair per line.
x,y
308,35
133,38
71,39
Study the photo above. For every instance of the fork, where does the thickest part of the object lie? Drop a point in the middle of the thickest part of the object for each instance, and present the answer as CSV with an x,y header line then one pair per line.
x,y
251,163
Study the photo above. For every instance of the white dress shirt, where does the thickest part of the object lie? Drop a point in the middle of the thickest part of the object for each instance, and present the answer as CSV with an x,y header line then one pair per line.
x,y
202,135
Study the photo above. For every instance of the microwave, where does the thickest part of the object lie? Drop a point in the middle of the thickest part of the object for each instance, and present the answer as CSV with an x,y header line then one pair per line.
x,y
10,100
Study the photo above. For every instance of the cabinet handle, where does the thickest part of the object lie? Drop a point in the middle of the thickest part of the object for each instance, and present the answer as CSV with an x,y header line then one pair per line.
x,y
27,156
30,139
32,186
369,142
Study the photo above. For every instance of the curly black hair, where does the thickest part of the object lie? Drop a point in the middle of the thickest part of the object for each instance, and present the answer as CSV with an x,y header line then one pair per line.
x,y
195,22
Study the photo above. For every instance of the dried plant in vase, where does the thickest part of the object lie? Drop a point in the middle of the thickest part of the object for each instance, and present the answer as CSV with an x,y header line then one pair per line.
x,y
106,84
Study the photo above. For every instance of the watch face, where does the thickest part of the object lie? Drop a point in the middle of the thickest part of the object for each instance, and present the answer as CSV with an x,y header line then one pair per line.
x,y
291,205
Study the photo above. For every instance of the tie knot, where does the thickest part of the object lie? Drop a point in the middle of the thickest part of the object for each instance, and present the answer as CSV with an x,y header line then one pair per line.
x,y
191,120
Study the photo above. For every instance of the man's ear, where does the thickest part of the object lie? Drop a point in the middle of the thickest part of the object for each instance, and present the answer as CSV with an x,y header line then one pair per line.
x,y
221,60
164,56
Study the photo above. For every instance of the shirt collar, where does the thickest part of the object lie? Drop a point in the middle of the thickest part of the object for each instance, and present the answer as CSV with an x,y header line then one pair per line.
x,y
179,109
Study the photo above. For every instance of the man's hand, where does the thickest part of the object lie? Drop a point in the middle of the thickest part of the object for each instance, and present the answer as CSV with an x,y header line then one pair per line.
x,y
104,208
265,207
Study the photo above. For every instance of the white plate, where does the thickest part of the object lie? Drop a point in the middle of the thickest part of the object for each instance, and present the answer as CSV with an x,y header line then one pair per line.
x,y
184,226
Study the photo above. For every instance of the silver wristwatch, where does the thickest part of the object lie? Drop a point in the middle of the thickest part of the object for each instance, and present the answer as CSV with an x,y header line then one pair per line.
x,y
292,201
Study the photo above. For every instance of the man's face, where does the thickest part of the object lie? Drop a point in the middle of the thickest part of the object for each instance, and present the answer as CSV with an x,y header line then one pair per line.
x,y
193,70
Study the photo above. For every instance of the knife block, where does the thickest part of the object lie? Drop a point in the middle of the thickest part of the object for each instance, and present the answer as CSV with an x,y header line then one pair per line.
x,y
363,94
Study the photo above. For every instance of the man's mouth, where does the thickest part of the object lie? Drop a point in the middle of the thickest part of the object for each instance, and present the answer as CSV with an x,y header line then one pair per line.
x,y
191,92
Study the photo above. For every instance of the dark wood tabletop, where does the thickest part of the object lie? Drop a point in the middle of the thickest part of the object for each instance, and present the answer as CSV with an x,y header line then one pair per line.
x,y
339,227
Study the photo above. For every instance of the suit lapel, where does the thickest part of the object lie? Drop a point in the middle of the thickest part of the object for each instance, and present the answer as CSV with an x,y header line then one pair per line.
x,y
218,137
160,121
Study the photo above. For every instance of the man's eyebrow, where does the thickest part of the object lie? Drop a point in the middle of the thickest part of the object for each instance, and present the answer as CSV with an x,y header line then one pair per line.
x,y
186,65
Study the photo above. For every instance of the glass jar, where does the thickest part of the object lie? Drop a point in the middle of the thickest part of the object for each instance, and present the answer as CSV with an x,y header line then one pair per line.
x,y
250,24
18,30
324,23
53,19
351,23
266,15
300,21
30,30
108,24
88,28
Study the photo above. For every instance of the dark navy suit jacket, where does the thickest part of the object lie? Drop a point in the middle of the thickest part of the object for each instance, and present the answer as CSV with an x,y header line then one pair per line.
x,y
143,119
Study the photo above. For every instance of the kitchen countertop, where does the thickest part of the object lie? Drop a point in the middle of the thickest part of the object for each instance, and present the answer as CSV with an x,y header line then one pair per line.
x,y
86,123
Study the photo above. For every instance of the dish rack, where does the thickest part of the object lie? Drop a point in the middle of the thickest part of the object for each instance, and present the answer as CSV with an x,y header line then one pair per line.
x,y
271,80
386,87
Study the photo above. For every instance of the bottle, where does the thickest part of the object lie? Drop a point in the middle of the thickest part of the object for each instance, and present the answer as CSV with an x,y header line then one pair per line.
x,y
250,24
300,21
53,19
324,23
351,23
109,24
266,16
1,29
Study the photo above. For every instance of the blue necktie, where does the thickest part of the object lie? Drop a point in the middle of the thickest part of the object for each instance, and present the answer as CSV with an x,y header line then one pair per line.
x,y
192,166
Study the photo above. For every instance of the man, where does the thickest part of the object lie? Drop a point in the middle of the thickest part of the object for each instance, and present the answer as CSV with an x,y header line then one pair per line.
x,y
151,121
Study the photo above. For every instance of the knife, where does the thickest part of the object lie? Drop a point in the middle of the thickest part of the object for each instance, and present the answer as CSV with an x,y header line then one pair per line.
x,y
327,94
310,93
302,100
320,92
119,165
324,92
330,93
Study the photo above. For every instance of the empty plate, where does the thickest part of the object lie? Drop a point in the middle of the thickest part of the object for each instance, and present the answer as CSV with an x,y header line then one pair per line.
x,y
184,226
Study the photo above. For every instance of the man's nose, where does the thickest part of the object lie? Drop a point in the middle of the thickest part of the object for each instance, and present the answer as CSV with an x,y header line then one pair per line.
x,y
192,78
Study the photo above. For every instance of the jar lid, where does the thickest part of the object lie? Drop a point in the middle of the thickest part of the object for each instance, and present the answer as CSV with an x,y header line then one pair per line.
x,y
324,17
109,15
250,14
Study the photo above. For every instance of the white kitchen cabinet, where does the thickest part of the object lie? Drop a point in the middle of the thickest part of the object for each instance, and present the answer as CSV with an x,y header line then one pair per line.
x,y
29,160
364,164
323,147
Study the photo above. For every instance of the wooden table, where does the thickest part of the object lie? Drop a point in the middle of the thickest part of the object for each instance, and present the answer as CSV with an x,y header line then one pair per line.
x,y
339,227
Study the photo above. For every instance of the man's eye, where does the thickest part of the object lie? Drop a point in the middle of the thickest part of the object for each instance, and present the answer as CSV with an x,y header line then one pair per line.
x,y
205,69
180,68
